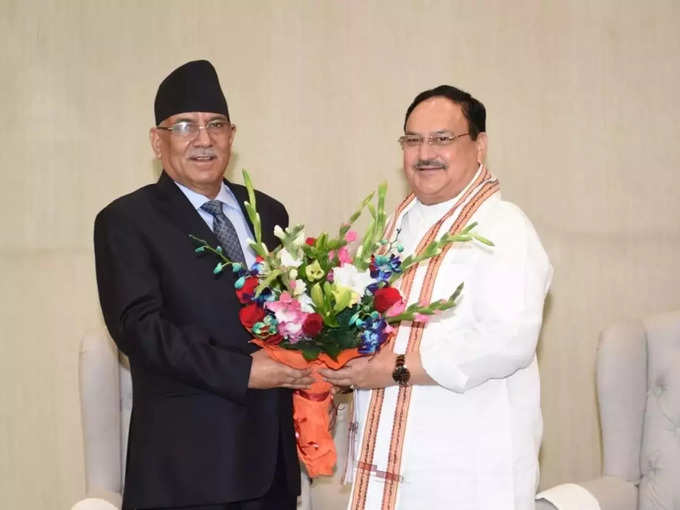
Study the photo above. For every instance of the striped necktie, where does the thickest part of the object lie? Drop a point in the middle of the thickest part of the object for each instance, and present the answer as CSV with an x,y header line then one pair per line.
x,y
225,231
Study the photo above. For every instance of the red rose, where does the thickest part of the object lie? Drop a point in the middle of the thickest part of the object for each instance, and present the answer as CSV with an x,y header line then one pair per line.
x,y
312,325
250,314
310,241
385,297
245,293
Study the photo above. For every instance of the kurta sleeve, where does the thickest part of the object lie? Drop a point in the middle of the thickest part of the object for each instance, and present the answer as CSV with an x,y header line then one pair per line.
x,y
494,331
132,303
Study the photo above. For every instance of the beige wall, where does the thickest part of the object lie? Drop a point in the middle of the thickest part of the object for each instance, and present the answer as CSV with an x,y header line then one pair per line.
x,y
583,121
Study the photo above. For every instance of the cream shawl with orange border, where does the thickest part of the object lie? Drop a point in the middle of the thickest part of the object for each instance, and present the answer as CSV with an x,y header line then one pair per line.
x,y
378,462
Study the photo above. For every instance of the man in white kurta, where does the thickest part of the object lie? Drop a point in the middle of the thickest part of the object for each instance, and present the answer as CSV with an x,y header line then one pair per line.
x,y
473,425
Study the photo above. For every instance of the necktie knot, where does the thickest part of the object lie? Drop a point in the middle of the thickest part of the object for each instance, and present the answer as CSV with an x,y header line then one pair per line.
x,y
214,207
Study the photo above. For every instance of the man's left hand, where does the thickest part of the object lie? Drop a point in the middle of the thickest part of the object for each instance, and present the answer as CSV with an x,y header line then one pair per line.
x,y
364,372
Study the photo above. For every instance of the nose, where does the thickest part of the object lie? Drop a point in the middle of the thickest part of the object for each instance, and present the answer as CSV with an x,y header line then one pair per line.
x,y
202,138
425,150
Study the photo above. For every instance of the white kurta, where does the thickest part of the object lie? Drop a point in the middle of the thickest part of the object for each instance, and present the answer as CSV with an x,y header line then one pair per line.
x,y
472,442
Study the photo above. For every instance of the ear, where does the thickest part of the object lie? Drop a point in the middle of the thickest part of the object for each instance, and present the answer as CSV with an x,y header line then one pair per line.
x,y
481,143
155,140
232,134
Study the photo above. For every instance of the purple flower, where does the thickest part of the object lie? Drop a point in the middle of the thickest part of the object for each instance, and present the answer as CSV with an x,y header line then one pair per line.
x,y
382,266
374,333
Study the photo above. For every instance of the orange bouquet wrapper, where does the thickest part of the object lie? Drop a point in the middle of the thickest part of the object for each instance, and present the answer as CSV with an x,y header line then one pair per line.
x,y
311,408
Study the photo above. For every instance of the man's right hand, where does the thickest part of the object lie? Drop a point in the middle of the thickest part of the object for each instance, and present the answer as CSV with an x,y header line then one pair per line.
x,y
266,373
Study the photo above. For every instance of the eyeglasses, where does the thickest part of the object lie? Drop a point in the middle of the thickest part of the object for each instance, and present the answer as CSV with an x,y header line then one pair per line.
x,y
189,129
437,139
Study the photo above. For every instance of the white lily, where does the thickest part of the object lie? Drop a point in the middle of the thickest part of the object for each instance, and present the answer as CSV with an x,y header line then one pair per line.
x,y
288,260
306,304
349,276
278,232
298,288
300,238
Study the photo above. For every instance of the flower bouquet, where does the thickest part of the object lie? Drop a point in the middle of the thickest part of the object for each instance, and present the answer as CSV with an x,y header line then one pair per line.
x,y
324,301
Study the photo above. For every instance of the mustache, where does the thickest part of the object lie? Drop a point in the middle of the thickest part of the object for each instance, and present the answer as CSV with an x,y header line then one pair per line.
x,y
430,163
202,153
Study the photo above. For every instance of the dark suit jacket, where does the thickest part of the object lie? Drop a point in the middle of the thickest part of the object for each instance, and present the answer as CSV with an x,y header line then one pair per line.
x,y
198,435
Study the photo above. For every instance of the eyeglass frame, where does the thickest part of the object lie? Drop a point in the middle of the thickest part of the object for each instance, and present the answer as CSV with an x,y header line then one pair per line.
x,y
430,139
206,126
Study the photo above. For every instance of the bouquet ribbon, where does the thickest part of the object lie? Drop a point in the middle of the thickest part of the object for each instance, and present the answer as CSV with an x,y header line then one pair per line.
x,y
311,408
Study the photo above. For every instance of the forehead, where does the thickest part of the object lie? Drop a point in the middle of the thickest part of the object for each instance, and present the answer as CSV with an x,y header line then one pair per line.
x,y
194,116
436,114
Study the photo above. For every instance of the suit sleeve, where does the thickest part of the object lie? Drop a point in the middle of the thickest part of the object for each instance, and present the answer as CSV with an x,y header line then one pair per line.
x,y
132,303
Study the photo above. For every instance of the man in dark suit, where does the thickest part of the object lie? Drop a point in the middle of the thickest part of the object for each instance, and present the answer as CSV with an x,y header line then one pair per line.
x,y
211,425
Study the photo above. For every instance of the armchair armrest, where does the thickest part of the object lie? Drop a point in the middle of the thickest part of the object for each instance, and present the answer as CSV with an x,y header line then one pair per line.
x,y
100,499
605,493
94,504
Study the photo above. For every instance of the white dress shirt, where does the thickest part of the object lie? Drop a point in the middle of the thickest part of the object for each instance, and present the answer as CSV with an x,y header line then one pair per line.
x,y
231,209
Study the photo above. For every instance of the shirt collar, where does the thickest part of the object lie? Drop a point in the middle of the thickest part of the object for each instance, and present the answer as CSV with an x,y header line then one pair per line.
x,y
225,195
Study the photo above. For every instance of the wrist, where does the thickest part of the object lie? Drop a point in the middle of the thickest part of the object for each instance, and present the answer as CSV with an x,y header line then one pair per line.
x,y
401,374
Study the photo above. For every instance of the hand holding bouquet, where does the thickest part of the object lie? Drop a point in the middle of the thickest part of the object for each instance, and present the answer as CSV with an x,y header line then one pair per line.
x,y
324,301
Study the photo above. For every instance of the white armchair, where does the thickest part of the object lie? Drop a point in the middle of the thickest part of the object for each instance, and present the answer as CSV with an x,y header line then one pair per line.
x,y
106,404
638,387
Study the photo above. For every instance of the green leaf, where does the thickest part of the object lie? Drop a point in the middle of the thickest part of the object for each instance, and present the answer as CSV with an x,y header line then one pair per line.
x,y
483,240
333,350
310,352
267,281
327,295
347,339
321,242
344,316
457,292
251,207
371,210
355,216
317,296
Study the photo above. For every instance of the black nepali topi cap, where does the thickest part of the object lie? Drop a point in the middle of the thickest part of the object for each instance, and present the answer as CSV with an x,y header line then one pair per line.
x,y
192,87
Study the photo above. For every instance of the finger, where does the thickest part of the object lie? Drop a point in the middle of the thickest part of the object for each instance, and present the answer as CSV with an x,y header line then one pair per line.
x,y
294,372
300,381
300,376
341,372
340,381
293,386
325,372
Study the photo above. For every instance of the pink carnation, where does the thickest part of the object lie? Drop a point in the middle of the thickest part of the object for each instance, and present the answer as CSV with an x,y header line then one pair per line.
x,y
289,315
343,255
351,236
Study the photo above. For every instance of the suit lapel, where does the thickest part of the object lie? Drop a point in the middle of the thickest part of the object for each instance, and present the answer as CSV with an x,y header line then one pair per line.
x,y
172,202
